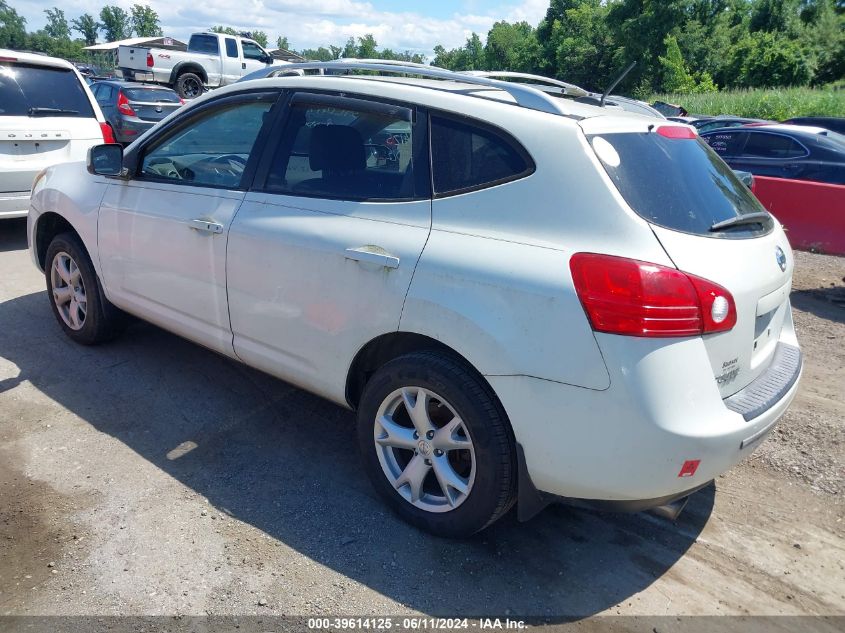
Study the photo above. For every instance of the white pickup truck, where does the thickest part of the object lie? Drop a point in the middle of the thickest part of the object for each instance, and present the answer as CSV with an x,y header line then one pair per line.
x,y
212,60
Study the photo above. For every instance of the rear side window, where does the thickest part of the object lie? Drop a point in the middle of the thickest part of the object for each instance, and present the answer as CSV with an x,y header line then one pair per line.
x,y
765,145
29,90
204,44
679,184
151,95
231,47
726,143
467,156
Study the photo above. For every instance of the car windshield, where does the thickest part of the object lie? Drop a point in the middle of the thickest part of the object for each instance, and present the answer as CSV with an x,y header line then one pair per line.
x,y
151,95
680,184
30,90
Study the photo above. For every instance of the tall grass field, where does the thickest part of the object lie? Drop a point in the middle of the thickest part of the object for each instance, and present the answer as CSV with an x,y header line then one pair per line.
x,y
775,103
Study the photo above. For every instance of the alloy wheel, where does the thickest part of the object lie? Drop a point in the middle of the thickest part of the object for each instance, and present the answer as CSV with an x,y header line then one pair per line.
x,y
68,291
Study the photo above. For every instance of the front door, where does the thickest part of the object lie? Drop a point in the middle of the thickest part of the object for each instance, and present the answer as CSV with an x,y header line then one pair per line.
x,y
162,234
322,253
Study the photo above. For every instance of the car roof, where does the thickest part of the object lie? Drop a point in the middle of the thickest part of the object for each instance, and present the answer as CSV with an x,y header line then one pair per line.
x,y
35,59
798,129
133,84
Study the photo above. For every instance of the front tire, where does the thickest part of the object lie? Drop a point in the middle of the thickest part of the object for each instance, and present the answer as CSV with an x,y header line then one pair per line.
x,y
437,445
76,298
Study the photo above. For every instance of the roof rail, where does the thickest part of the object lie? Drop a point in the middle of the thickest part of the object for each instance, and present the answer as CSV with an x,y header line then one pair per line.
x,y
525,96
568,89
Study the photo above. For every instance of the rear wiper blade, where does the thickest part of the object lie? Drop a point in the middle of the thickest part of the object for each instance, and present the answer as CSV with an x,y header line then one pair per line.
x,y
49,111
758,217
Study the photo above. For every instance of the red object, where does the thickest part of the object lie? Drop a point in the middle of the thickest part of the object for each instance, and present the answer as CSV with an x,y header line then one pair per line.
x,y
676,131
123,104
181,101
634,298
8,59
150,61
689,468
108,135
813,213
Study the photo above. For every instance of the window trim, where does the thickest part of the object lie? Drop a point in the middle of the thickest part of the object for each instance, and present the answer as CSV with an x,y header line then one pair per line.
x,y
748,137
509,138
362,102
136,156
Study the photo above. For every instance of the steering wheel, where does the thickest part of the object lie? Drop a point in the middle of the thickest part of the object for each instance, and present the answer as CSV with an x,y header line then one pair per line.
x,y
229,158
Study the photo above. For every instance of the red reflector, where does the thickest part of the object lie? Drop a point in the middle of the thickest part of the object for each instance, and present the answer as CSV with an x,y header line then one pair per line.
x,y
675,131
689,468
123,104
634,298
108,135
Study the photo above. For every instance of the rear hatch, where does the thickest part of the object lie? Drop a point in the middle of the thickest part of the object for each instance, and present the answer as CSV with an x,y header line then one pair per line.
x,y
46,117
702,215
152,104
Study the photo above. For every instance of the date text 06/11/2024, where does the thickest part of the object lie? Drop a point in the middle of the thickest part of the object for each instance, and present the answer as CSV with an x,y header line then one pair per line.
x,y
410,623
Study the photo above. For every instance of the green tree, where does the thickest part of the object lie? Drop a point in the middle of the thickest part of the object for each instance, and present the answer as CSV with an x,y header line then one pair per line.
x,y
282,42
115,23
512,47
676,76
12,27
367,47
322,54
765,59
145,21
86,26
350,49
260,37
227,30
57,25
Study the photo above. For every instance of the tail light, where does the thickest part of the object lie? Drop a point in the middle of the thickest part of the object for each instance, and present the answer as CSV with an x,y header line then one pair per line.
x,y
150,61
181,101
634,298
108,134
123,104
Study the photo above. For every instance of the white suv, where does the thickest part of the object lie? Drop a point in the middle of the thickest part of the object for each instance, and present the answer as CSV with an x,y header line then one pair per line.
x,y
47,116
526,299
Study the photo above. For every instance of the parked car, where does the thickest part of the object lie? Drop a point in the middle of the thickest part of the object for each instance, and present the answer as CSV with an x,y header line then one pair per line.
x,y
212,60
133,108
783,151
47,116
721,122
543,301
832,123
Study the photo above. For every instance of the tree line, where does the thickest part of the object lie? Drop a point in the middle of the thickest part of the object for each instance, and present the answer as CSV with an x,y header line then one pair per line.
x,y
57,37
681,46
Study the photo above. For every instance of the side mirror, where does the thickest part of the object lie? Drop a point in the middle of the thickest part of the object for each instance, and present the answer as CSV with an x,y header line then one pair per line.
x,y
106,160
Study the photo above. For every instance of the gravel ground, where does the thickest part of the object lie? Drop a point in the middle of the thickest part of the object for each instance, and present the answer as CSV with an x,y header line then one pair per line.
x,y
150,476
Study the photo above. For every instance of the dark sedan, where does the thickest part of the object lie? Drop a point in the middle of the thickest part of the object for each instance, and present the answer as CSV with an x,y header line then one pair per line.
x,y
782,151
133,108
832,123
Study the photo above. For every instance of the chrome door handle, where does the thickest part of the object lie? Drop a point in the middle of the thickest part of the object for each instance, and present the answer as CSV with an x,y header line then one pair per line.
x,y
372,255
205,226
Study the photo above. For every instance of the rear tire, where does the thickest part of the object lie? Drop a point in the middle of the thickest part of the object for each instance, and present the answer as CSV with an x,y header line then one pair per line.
x,y
77,299
437,445
189,85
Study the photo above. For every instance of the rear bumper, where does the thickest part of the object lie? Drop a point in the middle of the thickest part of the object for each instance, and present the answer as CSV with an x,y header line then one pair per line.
x,y
14,204
632,445
127,130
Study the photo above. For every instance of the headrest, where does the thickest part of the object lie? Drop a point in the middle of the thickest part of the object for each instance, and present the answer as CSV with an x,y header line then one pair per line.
x,y
336,148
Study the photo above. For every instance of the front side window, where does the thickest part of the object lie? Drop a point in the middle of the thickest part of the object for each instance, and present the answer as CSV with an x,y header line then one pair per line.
x,y
211,150
764,145
252,51
345,149
466,156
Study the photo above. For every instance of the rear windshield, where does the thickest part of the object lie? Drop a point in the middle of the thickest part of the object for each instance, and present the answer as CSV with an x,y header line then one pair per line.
x,y
679,184
151,94
41,91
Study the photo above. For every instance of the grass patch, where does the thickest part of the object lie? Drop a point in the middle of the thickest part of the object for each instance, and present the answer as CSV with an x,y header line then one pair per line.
x,y
773,103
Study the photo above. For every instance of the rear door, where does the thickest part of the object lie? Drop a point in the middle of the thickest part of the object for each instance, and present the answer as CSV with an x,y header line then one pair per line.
x,y
683,189
46,117
322,252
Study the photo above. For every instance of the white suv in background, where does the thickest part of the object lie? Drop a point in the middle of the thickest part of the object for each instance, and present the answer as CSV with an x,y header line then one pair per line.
x,y
47,116
526,299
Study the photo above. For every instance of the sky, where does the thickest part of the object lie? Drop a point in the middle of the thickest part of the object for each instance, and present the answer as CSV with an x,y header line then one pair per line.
x,y
401,25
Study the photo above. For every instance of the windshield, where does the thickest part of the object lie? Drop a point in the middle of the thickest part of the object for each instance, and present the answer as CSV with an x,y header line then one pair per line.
x,y
680,184
151,95
29,90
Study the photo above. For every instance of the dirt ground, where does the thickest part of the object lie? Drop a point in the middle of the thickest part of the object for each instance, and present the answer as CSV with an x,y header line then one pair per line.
x,y
150,476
